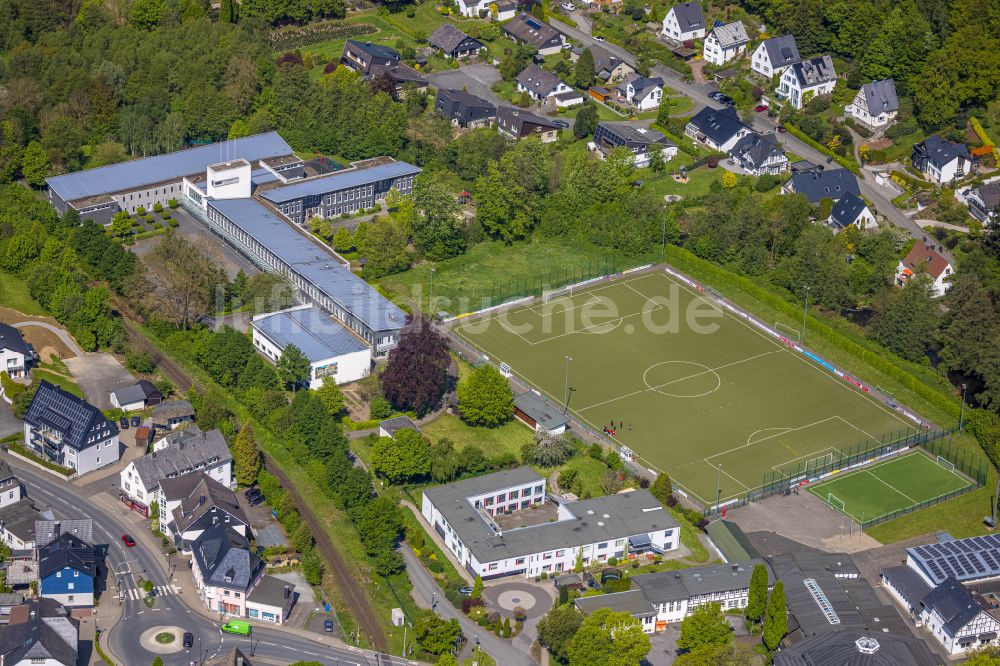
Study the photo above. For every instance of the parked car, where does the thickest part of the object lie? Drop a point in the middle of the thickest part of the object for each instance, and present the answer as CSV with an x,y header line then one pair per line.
x,y
598,38
328,626
254,496
562,124
465,591
569,6
188,639
123,423
726,99
128,540
239,627
760,107
715,94
781,129
136,422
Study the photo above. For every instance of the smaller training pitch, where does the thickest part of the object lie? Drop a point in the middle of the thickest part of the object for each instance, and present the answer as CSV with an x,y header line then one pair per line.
x,y
894,485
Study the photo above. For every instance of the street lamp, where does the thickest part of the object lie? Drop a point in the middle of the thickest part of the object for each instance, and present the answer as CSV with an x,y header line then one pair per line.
x,y
805,311
430,297
566,399
718,488
961,414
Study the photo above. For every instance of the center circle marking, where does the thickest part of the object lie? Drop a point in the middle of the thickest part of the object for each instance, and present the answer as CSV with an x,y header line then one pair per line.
x,y
700,370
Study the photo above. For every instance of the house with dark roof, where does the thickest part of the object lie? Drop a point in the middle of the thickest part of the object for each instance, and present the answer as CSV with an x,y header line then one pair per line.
x,y
453,43
234,657
69,431
271,600
816,185
958,619
515,124
684,22
632,602
401,78
719,129
196,502
333,351
726,42
925,258
225,568
875,105
538,415
362,56
172,414
758,154
533,31
540,84
773,56
140,395
390,427
941,160
180,452
984,201
851,210
464,109
642,92
608,67
17,525
15,354
807,79
39,631
906,587
640,141
66,570
857,647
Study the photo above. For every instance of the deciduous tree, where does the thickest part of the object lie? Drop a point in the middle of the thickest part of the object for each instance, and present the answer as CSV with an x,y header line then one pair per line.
x,y
906,318
183,280
586,119
662,488
557,629
416,376
437,231
485,397
403,457
607,638
293,367
705,626
331,396
435,635
35,164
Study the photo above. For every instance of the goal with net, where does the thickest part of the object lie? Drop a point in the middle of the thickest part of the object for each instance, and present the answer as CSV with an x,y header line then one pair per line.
x,y
944,463
835,502
822,463
788,331
551,294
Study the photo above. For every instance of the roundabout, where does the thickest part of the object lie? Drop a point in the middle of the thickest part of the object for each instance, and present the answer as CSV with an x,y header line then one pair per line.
x,y
162,640
681,379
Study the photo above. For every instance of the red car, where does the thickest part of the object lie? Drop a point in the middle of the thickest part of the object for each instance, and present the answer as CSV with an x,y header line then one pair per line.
x,y
760,107
781,129
128,540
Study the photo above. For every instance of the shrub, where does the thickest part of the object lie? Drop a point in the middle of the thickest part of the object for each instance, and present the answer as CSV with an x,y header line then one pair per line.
x,y
468,604
612,561
172,203
380,408
158,207
712,162
766,182
330,67
140,211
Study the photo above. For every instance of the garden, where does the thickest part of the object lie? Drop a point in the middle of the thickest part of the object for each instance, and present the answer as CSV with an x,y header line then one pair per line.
x,y
144,223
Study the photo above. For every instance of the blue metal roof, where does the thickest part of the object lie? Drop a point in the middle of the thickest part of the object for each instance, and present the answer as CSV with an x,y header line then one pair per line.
x,y
339,180
310,260
310,329
172,166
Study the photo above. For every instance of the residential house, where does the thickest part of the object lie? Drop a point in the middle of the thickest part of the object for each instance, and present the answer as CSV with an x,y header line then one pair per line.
x,y
464,109
719,129
941,160
15,353
924,258
526,29
466,515
505,9
11,490
958,619
726,42
66,569
640,141
453,43
234,657
39,631
816,185
875,105
172,414
642,92
759,154
271,600
402,79
633,602
684,22
608,68
17,525
225,568
9,600
362,56
69,431
806,79
851,210
390,427
773,56
196,502
516,124
183,452
984,201
540,84
138,396
532,411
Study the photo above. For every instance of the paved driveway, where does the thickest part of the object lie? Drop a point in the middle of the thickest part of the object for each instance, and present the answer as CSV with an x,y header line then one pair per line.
x,y
9,424
98,375
477,79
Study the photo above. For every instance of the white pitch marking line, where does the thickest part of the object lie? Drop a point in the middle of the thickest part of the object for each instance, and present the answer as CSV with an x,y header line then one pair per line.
x,y
867,471
764,439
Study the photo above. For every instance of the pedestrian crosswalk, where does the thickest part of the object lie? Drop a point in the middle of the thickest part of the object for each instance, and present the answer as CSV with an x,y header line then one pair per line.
x,y
135,594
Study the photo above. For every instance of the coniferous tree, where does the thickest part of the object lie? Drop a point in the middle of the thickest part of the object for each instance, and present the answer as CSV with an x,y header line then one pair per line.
x,y
757,601
776,621
246,457
584,74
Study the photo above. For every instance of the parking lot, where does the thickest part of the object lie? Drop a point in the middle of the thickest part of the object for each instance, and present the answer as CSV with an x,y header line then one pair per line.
x,y
477,79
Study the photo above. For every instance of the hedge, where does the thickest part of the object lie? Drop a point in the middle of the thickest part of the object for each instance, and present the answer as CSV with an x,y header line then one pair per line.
x,y
11,388
850,165
683,142
864,350
30,455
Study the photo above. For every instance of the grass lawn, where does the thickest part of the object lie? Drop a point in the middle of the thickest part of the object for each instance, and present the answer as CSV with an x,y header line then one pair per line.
x,y
894,485
464,283
699,181
590,472
697,401
14,295
426,20
961,517
64,382
903,146
508,438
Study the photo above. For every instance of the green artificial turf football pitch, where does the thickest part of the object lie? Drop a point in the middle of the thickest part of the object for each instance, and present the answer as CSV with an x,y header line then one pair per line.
x,y
690,388
894,485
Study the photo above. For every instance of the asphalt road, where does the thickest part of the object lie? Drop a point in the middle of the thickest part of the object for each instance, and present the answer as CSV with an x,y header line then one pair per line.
x,y
127,566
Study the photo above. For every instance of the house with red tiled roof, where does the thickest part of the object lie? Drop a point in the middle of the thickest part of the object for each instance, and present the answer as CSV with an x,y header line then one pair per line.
x,y
925,258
